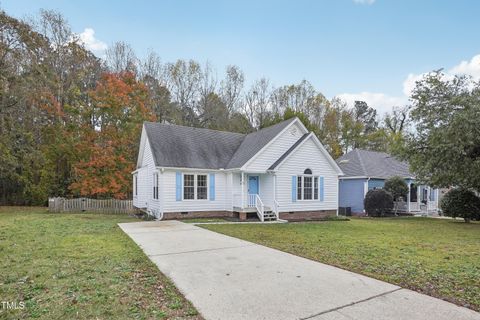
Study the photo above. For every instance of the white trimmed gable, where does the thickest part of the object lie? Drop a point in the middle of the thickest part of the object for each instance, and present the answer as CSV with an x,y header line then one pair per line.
x,y
141,148
307,155
276,148
144,173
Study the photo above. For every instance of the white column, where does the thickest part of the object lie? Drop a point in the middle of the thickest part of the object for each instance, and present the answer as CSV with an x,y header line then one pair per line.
x,y
274,204
408,196
242,186
428,198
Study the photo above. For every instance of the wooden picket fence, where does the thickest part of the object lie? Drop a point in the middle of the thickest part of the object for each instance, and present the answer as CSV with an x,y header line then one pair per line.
x,y
91,205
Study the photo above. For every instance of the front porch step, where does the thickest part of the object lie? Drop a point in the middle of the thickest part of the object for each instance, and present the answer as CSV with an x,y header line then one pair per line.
x,y
269,216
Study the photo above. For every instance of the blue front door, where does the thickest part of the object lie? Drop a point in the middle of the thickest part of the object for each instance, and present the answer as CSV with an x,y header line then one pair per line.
x,y
252,184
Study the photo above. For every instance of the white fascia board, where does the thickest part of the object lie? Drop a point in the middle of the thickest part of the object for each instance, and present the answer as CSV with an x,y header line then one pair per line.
x,y
188,169
353,177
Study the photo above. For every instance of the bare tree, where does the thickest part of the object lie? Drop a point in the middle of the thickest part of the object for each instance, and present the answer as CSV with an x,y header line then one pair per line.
x,y
208,81
257,102
396,122
206,90
120,57
300,98
151,67
231,87
55,27
183,79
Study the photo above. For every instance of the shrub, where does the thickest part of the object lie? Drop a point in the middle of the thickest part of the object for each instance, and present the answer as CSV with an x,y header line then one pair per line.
x,y
378,203
397,187
461,203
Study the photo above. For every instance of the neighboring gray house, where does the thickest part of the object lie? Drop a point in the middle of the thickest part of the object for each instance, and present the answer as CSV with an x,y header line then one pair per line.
x,y
365,170
279,172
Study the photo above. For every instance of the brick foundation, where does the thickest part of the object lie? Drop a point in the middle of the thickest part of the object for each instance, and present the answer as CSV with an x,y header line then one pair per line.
x,y
307,215
197,214
294,216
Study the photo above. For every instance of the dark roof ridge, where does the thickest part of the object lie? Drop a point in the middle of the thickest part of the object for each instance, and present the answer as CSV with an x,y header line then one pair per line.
x,y
195,128
288,121
191,147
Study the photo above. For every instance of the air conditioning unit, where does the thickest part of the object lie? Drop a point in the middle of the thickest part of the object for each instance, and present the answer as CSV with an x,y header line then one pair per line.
x,y
345,211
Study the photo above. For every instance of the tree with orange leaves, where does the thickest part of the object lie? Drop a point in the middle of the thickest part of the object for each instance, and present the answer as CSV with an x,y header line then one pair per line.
x,y
110,130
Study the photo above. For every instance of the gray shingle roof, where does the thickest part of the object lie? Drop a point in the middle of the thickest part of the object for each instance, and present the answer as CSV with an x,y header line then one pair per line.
x,y
365,163
293,147
187,147
255,141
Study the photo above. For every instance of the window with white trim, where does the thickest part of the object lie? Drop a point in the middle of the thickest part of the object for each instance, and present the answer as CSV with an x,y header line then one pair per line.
x,y
307,186
195,187
201,187
155,185
188,186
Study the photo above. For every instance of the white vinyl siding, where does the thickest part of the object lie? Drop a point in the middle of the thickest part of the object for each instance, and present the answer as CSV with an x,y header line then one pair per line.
x,y
170,204
275,150
266,189
144,175
305,156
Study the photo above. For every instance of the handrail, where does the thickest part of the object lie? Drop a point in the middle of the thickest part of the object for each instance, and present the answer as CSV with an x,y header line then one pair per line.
x,y
275,209
260,207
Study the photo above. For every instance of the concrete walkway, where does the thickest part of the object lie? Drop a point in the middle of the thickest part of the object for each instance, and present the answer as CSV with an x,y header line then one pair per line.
x,y
228,278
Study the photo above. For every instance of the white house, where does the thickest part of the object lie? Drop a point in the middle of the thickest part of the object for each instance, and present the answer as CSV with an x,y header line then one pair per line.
x,y
279,172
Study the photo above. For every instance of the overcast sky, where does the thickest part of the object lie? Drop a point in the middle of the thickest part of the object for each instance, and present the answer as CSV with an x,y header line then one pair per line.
x,y
372,50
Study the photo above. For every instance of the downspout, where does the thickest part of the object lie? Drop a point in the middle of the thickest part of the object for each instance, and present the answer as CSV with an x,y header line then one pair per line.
x,y
338,194
161,216
242,186
161,200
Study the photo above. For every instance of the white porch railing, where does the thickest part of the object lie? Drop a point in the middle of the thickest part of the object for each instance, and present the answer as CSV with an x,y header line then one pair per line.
x,y
276,209
414,206
401,206
260,206
252,200
432,205
420,207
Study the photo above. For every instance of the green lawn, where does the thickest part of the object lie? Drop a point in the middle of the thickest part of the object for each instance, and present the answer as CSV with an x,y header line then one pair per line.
x,y
438,257
80,266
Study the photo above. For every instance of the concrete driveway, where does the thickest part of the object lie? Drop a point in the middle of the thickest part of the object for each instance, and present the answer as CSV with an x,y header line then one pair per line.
x,y
228,278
